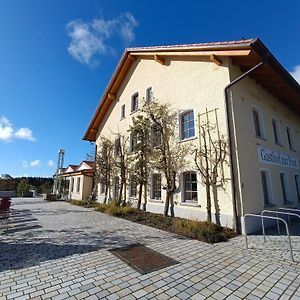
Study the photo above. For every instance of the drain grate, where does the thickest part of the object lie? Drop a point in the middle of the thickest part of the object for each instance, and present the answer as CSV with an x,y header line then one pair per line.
x,y
143,259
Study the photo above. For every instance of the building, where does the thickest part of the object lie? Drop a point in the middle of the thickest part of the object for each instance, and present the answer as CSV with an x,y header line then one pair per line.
x,y
258,108
79,180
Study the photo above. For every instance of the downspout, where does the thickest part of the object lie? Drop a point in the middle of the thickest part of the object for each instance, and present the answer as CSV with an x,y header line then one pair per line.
x,y
236,220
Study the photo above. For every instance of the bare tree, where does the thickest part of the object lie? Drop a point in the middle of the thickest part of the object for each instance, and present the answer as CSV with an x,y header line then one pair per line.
x,y
104,166
141,144
209,158
169,155
122,161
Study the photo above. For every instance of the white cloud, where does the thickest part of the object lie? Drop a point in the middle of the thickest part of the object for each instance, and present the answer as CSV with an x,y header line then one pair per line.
x,y
6,130
50,163
35,163
24,134
296,73
25,164
127,24
8,133
90,39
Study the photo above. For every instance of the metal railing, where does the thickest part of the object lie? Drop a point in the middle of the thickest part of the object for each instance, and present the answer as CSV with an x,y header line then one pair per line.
x,y
272,218
280,213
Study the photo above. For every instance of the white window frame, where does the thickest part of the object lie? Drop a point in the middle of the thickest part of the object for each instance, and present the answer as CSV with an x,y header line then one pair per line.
x,y
123,111
152,198
277,132
260,122
297,185
134,97
269,187
286,187
180,124
182,183
290,137
115,191
78,185
151,94
102,189
72,184
129,189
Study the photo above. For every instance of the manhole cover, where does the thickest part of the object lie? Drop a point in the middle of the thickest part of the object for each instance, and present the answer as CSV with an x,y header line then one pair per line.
x,y
143,259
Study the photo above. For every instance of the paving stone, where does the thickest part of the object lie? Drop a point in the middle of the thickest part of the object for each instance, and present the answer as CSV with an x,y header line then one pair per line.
x,y
69,259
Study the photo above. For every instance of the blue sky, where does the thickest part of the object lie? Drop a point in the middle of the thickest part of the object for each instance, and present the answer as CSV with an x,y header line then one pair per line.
x,y
57,56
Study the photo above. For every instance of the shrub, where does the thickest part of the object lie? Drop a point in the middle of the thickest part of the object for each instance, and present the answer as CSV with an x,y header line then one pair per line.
x,y
204,231
84,203
114,210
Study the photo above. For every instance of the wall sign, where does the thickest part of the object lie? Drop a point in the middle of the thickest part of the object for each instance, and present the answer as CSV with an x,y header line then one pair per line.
x,y
269,156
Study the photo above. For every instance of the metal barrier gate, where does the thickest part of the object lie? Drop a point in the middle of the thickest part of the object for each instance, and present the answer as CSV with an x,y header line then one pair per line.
x,y
280,213
272,218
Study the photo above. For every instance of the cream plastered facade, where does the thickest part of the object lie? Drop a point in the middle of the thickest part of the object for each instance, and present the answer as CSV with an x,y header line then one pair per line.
x,y
83,191
187,85
198,84
246,96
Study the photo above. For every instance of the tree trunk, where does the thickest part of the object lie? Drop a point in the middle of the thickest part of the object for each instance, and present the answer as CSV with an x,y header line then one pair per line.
x,y
172,205
167,202
145,197
106,193
208,198
140,196
216,203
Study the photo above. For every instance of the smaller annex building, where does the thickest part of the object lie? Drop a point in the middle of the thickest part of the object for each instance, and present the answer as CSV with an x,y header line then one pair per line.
x,y
79,180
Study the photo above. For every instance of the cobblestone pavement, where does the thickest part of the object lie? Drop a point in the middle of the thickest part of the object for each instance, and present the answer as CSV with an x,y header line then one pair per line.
x,y
59,251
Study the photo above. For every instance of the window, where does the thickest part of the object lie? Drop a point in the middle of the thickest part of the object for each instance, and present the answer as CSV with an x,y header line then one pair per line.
x,y
123,111
156,136
190,186
257,119
116,187
78,185
290,138
133,141
276,131
135,102
132,188
266,189
156,187
102,190
117,147
187,125
72,185
149,94
284,188
297,184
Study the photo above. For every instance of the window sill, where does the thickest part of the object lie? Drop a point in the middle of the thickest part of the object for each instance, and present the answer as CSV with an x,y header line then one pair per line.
x,y
269,205
190,204
156,201
279,144
188,139
134,111
261,138
288,203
